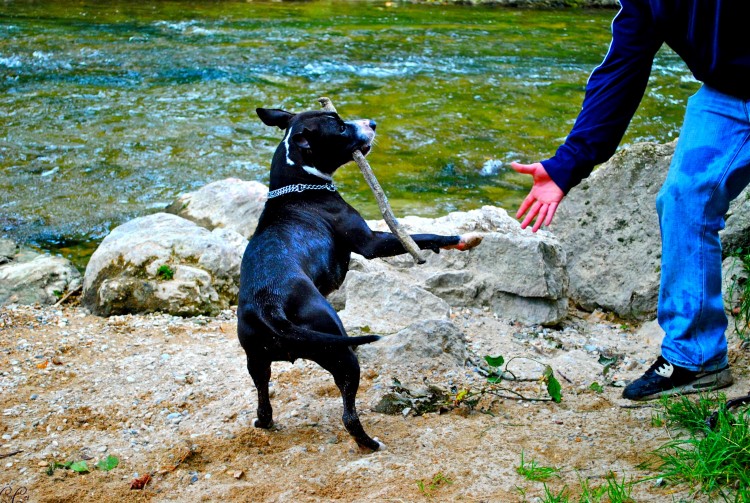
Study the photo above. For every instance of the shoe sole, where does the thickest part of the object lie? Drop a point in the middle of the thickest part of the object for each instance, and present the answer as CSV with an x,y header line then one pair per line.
x,y
709,382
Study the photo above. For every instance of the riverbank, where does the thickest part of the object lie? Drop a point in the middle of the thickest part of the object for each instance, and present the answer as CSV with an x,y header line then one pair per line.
x,y
115,109
170,397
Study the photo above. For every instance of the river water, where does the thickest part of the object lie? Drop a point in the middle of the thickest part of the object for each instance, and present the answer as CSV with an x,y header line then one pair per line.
x,y
109,110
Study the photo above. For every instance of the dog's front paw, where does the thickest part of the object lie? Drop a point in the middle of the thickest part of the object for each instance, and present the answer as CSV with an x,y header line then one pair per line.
x,y
466,241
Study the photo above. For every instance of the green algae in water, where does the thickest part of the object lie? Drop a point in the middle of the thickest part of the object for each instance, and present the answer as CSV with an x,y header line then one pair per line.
x,y
112,109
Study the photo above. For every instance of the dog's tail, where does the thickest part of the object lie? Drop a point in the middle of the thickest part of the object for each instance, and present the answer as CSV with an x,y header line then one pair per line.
x,y
279,324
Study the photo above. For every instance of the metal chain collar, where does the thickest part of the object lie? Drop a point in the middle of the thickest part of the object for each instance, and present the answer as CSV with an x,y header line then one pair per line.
x,y
300,187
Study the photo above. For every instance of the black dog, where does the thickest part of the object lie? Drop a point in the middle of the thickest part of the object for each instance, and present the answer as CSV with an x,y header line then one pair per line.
x,y
300,253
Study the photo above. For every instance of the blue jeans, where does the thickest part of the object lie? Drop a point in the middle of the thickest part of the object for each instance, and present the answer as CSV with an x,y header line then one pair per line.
x,y
710,167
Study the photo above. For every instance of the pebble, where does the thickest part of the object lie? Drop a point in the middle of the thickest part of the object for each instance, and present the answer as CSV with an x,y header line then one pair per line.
x,y
34,396
175,417
103,448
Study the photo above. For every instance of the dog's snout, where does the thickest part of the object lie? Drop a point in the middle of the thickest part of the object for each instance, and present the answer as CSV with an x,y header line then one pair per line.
x,y
373,124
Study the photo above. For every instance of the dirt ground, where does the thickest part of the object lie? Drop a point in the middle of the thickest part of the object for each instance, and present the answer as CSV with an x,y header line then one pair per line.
x,y
170,397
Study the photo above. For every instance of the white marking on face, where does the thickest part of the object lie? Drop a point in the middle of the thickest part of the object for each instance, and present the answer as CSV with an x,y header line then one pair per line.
x,y
286,145
318,173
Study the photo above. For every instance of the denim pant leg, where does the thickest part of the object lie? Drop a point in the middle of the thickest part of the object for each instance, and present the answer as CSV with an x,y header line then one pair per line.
x,y
710,167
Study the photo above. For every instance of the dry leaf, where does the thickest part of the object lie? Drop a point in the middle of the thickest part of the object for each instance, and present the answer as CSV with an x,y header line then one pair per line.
x,y
141,481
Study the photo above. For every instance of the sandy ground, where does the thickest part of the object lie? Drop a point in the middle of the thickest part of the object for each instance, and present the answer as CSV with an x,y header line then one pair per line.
x,y
170,397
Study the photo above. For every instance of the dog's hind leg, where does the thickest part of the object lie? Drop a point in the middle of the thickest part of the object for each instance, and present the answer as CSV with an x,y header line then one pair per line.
x,y
340,361
260,371
342,364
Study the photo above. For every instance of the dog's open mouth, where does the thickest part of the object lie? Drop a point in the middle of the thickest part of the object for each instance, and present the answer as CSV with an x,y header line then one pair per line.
x,y
365,149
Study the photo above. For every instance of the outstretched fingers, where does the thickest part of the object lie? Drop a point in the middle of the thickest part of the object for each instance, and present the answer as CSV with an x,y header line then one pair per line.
x,y
533,211
541,218
550,213
525,205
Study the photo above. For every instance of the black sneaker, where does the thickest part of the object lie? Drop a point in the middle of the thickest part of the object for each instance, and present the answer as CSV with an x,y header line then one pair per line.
x,y
663,379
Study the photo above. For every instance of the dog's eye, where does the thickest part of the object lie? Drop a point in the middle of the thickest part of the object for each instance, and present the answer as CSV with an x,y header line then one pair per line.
x,y
342,128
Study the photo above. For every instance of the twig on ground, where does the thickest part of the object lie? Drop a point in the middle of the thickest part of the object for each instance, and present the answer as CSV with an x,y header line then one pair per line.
x,y
9,454
563,376
65,297
377,190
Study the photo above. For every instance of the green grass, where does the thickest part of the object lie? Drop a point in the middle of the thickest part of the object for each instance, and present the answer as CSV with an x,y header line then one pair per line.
x,y
714,461
711,463
165,272
535,472
613,492
428,488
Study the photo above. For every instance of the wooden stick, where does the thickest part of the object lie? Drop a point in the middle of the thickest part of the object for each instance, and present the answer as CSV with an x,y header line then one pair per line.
x,y
377,190
65,297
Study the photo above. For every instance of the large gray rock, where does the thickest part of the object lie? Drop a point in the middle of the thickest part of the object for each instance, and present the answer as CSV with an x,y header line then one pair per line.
x,y
162,262
610,231
27,277
520,275
734,278
736,234
231,204
8,250
423,345
431,351
383,303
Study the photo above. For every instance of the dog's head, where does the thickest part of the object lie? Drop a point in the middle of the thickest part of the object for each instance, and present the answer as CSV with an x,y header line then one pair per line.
x,y
316,143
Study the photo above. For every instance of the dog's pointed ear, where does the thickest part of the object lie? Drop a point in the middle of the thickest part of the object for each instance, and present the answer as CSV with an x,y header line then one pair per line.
x,y
300,140
274,117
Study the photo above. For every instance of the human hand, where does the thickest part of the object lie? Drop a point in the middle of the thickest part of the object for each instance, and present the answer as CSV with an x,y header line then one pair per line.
x,y
543,198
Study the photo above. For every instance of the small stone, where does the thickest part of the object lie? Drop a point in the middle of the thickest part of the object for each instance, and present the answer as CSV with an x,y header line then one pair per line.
x,y
34,396
103,448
